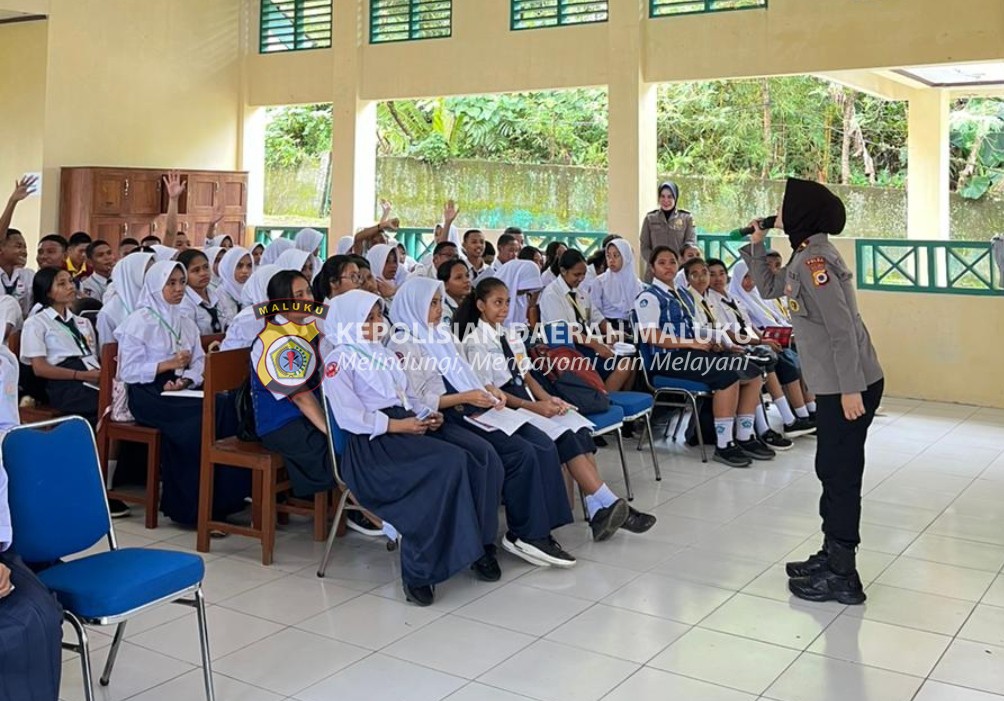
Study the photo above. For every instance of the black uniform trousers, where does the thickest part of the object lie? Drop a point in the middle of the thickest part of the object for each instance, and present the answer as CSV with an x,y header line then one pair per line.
x,y
840,463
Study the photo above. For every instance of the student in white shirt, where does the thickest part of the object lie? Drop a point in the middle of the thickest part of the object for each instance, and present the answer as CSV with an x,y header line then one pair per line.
x,y
474,251
552,260
532,253
688,252
275,249
61,348
338,275
201,303
384,266
160,352
522,280
561,302
444,251
245,327
507,249
614,292
101,260
14,277
10,316
435,493
127,276
500,359
214,254
309,241
295,259
257,251
235,269
456,279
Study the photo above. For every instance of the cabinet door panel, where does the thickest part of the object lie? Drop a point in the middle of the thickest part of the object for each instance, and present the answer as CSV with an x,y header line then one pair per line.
x,y
144,193
235,194
109,192
202,193
110,229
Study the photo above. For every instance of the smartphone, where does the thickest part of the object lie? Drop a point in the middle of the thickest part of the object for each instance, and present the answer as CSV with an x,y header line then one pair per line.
x,y
423,414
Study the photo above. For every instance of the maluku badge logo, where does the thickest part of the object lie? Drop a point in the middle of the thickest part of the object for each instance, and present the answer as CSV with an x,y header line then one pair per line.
x,y
289,361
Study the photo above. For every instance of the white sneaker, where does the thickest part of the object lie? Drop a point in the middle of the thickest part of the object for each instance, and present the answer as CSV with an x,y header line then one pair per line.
x,y
545,550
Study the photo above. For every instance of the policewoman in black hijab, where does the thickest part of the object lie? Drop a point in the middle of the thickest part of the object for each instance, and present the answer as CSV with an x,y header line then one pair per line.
x,y
666,226
839,365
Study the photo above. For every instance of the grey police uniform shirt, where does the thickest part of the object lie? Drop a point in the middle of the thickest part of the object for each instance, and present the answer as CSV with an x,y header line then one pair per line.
x,y
656,230
834,347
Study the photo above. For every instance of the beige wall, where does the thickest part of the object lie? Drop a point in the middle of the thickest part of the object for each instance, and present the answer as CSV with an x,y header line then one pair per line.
x,y
22,110
150,83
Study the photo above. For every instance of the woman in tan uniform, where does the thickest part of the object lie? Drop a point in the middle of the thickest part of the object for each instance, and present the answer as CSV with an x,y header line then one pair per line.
x,y
666,226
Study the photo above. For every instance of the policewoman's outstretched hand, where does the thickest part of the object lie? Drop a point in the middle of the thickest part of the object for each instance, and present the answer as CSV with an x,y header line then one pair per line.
x,y
853,405
759,234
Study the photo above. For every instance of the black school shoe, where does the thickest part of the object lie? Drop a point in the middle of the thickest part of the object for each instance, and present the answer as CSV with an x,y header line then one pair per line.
x,y
799,427
607,520
774,440
118,509
804,568
637,522
731,455
420,596
755,449
487,567
838,581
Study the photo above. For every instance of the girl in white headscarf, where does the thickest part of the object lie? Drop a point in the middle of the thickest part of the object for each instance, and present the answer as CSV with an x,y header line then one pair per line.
x,y
744,291
385,267
275,249
257,251
298,260
128,276
214,254
235,269
614,292
533,490
345,245
163,253
245,327
201,303
522,279
309,240
392,464
160,352
221,241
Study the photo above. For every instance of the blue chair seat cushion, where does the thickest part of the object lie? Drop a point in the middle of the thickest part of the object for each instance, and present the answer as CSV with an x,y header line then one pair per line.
x,y
663,382
605,419
633,403
114,582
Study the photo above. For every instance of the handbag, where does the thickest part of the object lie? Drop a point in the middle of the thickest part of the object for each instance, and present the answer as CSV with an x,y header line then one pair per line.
x,y
247,430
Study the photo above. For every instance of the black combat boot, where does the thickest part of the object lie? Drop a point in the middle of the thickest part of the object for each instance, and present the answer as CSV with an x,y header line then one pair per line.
x,y
838,581
814,564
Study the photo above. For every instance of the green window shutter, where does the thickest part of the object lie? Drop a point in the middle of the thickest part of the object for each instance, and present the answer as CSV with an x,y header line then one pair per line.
x,y
292,25
666,8
410,20
535,14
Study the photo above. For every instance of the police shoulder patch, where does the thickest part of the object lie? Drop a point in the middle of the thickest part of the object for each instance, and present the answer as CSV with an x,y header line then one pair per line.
x,y
817,268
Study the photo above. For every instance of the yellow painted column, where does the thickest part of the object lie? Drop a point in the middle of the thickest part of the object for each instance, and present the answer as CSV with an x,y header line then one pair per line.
x,y
353,128
632,123
927,181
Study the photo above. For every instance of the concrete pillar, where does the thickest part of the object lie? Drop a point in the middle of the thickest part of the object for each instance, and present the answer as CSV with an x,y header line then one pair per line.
x,y
927,182
632,123
353,128
252,159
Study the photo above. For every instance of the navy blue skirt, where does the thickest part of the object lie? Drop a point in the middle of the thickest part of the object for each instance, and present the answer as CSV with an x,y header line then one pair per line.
x,y
430,491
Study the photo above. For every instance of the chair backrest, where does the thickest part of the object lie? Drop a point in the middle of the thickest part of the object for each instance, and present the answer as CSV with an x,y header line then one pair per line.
x,y
109,369
56,492
225,371
210,338
559,333
336,439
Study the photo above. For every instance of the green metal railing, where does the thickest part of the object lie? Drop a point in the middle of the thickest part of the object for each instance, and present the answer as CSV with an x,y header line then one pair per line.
x,y
266,234
941,267
667,8
536,14
294,25
410,20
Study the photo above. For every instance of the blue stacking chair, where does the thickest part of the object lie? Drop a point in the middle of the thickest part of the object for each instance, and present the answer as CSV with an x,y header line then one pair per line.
x,y
675,393
58,508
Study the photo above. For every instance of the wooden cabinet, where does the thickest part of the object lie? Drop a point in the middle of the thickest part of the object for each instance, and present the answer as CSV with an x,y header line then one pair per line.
x,y
116,203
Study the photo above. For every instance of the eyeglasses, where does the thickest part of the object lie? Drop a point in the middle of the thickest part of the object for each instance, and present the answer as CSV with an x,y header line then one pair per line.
x,y
354,277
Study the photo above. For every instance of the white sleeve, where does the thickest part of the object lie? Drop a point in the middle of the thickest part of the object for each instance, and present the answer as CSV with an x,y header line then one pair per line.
x,y
552,308
134,368
33,340
106,330
478,357
197,366
349,411
646,307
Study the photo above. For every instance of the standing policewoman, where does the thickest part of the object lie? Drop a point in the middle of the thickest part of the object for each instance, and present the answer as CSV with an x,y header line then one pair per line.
x,y
839,365
666,226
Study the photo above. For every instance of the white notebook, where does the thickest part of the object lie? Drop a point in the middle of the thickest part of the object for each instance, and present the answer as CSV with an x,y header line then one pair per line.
x,y
506,420
191,393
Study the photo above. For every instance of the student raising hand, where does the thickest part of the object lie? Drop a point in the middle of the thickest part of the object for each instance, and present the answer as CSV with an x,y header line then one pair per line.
x,y
174,184
23,188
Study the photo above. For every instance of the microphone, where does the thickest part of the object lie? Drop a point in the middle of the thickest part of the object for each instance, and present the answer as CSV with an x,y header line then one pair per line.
x,y
765,223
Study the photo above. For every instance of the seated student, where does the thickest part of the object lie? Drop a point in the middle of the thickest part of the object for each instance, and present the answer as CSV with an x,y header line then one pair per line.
x,y
76,257
523,281
474,252
407,263
294,259
61,347
688,252
127,246
245,327
552,261
257,251
508,249
100,261
219,240
489,255
532,253
274,249
444,251
202,304
31,620
214,254
14,277
790,402
384,266
536,501
163,253
127,277
456,279
181,242
367,282
665,324
160,352
150,241
235,269
561,302
499,358
309,241
442,500
51,252
293,426
338,275
615,290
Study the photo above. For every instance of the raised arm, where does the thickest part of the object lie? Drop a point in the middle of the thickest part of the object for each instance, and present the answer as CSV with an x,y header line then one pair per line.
x,y
22,189
770,284
219,209
175,188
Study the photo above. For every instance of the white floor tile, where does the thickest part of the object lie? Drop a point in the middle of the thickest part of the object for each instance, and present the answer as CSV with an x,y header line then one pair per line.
x,y
886,540
912,609
937,691
192,687
587,580
620,633
553,672
771,621
370,621
290,600
685,602
955,551
382,678
649,684
816,678
229,631
524,609
995,594
459,646
635,554
740,663
225,578
881,645
985,625
717,569
480,692
974,665
136,670
935,578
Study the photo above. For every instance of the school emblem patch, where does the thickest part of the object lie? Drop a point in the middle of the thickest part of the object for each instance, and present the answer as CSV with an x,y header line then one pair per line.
x,y
643,303
817,267
330,370
289,362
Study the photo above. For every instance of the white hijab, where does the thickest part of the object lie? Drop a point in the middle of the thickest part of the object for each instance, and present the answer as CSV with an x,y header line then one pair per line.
x,y
217,241
163,253
520,276
275,249
377,257
293,259
343,329
345,245
257,245
128,275
213,255
622,287
759,310
255,290
152,297
308,240
228,270
411,311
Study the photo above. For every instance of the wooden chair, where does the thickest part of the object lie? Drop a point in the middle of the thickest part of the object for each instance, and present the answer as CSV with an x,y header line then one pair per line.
x,y
226,371
112,432
38,412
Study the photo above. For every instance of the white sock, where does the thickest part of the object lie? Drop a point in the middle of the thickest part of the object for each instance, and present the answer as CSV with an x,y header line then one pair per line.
x,y
390,531
744,429
811,406
723,431
605,496
592,506
113,465
801,412
785,409
761,420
